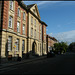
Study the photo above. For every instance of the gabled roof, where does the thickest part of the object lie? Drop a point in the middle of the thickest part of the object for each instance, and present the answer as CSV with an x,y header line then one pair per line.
x,y
27,7
30,6
53,38
22,4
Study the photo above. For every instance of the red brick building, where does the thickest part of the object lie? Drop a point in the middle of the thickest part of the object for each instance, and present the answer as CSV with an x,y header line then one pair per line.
x,y
50,42
21,29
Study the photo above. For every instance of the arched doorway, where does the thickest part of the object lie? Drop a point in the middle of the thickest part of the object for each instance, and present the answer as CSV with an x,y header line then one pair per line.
x,y
34,48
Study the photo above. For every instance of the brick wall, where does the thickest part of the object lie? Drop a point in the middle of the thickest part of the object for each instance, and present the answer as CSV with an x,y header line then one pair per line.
x,y
5,14
44,33
0,12
5,18
15,17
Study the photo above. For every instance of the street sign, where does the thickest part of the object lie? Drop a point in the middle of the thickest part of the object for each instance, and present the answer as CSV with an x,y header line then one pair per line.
x,y
15,46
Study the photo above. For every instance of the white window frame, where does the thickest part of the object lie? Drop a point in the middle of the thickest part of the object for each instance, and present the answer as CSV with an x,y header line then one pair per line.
x,y
31,20
18,12
31,32
10,43
18,26
34,33
23,28
23,45
10,21
35,22
11,5
24,16
17,45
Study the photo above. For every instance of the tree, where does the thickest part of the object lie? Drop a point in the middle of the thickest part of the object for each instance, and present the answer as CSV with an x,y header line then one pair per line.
x,y
72,46
60,47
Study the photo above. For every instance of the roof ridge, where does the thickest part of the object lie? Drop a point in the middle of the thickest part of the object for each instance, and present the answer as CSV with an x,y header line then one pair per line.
x,y
29,6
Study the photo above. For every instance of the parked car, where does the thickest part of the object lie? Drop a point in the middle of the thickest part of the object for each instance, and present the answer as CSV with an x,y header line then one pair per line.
x,y
50,54
59,52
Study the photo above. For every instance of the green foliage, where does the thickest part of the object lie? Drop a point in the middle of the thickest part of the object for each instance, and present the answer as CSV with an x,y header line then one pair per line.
x,y
72,46
60,47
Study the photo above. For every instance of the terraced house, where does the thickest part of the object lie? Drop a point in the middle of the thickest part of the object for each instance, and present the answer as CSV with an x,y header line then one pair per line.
x,y
21,29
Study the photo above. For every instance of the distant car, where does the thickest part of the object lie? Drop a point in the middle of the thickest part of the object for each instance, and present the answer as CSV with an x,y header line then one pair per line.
x,y
50,54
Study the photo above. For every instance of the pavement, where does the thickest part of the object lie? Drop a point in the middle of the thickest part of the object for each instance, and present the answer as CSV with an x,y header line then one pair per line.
x,y
21,62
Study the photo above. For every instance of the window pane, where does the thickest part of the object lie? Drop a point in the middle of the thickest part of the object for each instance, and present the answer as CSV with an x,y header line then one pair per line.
x,y
24,16
19,12
11,5
10,21
17,45
31,31
9,43
18,26
35,23
35,33
23,45
23,29
32,20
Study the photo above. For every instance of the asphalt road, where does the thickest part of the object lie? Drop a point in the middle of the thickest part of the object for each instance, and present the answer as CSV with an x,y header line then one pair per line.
x,y
61,64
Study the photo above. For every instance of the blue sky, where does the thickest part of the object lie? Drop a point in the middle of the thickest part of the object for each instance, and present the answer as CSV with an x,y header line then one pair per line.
x,y
60,18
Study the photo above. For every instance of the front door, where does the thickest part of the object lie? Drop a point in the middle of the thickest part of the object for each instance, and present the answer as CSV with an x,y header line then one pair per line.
x,y
34,48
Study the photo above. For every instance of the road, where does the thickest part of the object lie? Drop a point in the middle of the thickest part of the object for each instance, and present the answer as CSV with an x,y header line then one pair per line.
x,y
61,64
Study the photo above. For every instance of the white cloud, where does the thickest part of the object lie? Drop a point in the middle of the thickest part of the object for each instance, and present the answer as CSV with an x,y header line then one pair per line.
x,y
65,36
47,2
43,4
39,3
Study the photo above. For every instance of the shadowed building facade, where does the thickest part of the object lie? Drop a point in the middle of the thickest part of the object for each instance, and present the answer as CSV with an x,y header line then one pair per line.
x,y
21,29
50,42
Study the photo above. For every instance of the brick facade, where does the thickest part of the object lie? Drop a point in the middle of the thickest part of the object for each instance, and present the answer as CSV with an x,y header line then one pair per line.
x,y
40,44
50,42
